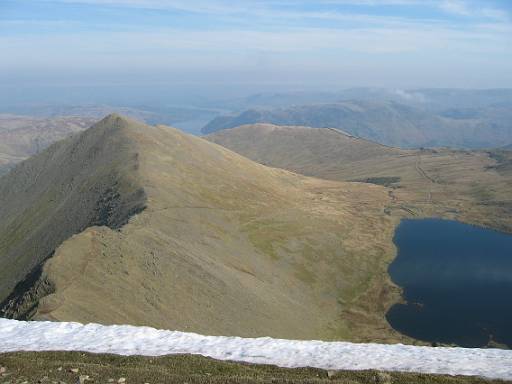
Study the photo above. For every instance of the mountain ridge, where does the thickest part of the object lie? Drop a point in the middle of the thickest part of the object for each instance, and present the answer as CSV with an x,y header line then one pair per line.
x,y
220,244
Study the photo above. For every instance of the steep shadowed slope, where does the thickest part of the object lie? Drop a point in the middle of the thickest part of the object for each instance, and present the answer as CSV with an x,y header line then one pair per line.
x,y
86,180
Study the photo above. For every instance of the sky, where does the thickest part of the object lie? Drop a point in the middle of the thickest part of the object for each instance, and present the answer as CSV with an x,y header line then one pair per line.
x,y
283,44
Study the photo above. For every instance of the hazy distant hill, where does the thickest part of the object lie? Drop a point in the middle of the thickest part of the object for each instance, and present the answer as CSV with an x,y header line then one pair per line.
x,y
23,136
390,123
468,185
434,99
440,99
129,223
386,122
188,117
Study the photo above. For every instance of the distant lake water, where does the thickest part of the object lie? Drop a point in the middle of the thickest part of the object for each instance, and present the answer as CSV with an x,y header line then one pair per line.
x,y
457,281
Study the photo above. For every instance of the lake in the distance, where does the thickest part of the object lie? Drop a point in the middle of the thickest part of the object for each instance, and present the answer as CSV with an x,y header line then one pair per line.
x,y
457,281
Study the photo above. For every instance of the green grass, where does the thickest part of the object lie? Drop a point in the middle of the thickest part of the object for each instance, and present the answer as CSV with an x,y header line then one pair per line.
x,y
268,235
60,367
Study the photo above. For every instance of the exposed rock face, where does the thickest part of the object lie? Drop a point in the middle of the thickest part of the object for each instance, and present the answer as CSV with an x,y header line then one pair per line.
x,y
22,303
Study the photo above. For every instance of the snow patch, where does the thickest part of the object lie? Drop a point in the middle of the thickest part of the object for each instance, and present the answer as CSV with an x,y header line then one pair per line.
x,y
131,340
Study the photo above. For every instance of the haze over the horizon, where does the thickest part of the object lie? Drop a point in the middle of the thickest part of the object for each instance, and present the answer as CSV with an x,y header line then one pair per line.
x,y
255,44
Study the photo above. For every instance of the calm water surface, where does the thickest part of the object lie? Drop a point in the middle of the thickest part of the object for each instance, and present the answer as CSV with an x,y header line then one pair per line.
x,y
457,281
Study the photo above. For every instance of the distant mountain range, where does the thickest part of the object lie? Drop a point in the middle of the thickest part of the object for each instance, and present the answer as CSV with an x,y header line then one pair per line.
x,y
433,99
390,122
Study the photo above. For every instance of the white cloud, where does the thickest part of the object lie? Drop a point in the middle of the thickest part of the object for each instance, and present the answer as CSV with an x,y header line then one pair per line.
x,y
182,46
462,8
195,6
266,38
495,14
273,8
455,7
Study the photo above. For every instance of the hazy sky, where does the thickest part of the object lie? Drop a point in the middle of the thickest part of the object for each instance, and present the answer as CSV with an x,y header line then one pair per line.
x,y
296,43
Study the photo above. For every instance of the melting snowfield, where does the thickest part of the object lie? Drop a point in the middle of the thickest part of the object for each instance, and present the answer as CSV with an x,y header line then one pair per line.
x,y
130,340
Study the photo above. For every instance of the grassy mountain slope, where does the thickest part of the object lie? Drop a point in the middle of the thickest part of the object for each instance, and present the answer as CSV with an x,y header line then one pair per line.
x,y
469,185
304,150
220,244
388,122
22,136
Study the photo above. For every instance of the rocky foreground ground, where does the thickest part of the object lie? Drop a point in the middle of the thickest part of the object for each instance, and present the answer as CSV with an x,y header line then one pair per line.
x,y
77,367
